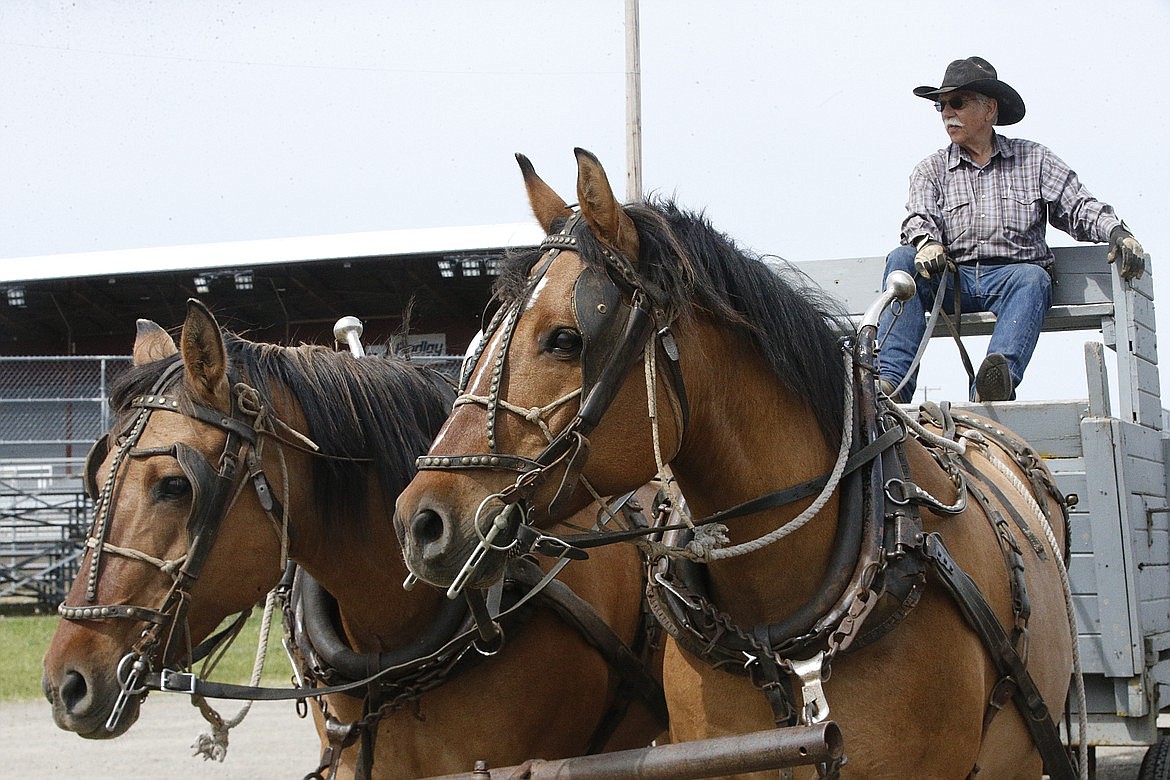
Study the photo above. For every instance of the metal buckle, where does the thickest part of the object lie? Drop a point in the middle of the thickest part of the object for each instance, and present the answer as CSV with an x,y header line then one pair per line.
x,y
177,682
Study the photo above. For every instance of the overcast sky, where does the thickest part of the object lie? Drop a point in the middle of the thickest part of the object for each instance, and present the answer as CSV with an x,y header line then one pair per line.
x,y
133,124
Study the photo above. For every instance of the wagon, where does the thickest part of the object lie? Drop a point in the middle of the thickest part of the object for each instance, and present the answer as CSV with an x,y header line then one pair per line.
x,y
1114,460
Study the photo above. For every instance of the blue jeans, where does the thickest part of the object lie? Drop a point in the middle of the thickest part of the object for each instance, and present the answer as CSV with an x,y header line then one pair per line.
x,y
1018,294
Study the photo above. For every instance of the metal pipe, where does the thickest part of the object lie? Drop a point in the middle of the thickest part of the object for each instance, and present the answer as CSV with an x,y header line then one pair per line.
x,y
349,330
714,757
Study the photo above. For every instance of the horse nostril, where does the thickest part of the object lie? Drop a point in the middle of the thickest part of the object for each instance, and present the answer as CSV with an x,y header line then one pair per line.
x,y
426,526
73,690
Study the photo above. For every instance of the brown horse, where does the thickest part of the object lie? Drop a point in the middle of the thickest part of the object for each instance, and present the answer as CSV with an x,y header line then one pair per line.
x,y
210,478
643,337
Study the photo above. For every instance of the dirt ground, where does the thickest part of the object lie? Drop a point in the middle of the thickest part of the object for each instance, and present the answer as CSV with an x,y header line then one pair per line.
x,y
270,743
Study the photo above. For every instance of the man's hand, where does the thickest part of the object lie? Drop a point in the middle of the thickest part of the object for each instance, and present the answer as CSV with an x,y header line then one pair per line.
x,y
931,259
1123,245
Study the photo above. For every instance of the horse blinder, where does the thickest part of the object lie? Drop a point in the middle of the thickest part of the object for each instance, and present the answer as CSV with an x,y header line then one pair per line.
x,y
93,461
210,488
614,334
598,308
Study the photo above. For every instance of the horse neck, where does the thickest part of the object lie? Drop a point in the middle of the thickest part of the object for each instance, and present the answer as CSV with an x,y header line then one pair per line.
x,y
359,564
747,438
364,572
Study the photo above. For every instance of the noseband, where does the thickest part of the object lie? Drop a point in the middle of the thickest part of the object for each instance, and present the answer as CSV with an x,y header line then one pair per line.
x,y
213,488
616,313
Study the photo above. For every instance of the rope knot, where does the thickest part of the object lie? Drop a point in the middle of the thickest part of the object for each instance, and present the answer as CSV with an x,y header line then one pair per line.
x,y
170,567
249,400
212,746
707,538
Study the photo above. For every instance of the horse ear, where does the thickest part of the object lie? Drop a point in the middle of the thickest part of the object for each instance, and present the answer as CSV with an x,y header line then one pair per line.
x,y
204,355
546,204
601,209
152,343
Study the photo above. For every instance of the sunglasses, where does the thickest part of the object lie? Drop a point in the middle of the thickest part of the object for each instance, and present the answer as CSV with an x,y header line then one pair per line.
x,y
955,103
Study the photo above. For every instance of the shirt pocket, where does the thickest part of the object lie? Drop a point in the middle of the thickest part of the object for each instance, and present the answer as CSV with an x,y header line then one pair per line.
x,y
1022,208
1025,195
956,215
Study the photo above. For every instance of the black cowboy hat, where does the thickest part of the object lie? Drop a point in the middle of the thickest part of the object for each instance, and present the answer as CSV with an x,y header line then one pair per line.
x,y
977,75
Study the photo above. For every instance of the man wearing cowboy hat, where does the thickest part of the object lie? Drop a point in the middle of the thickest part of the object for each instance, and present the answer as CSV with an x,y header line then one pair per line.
x,y
978,208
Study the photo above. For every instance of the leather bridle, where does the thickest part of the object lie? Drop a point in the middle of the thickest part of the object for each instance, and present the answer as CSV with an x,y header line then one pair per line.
x,y
213,489
618,316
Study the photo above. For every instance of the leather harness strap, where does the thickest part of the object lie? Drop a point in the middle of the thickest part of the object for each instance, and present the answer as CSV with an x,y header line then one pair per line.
x,y
772,500
982,619
411,677
1033,540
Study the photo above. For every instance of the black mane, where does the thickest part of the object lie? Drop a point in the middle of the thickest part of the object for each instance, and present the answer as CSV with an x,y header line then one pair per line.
x,y
383,410
790,320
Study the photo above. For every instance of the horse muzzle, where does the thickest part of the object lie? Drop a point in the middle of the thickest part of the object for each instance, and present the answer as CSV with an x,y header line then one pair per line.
x,y
450,552
82,703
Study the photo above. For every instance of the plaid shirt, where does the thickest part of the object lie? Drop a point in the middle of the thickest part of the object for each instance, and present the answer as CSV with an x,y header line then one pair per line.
x,y
998,211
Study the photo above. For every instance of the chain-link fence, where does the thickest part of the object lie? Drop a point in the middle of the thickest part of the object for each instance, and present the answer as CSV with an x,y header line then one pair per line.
x,y
54,407
51,409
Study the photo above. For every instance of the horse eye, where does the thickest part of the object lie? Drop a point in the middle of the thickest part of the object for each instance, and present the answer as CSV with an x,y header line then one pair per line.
x,y
172,488
565,342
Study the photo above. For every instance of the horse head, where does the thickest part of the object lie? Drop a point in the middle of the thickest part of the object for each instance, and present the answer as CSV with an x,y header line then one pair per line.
x,y
157,578
562,352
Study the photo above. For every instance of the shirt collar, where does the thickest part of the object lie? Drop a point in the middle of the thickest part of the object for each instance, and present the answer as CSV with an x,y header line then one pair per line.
x,y
955,154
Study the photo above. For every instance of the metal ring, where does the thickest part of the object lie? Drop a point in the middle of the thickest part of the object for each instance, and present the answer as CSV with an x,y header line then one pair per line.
x,y
480,533
904,500
125,677
499,643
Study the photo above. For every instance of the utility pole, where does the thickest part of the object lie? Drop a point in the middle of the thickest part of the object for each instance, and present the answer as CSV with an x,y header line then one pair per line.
x,y
633,104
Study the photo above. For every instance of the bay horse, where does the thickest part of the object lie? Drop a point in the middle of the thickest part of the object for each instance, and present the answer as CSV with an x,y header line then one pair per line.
x,y
211,478
838,533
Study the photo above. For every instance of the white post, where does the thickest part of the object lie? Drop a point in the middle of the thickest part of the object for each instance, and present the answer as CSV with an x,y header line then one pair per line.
x,y
633,105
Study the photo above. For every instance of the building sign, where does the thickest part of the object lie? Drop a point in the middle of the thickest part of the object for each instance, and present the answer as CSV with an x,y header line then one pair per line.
x,y
420,344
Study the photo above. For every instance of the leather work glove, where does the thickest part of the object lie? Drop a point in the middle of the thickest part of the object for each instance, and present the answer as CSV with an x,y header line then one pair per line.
x,y
1123,245
931,259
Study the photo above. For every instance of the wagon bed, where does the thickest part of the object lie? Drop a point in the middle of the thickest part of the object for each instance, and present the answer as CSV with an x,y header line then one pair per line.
x,y
1114,460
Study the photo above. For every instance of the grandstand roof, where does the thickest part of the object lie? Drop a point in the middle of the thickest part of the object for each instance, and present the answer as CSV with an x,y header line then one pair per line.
x,y
262,252
295,288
